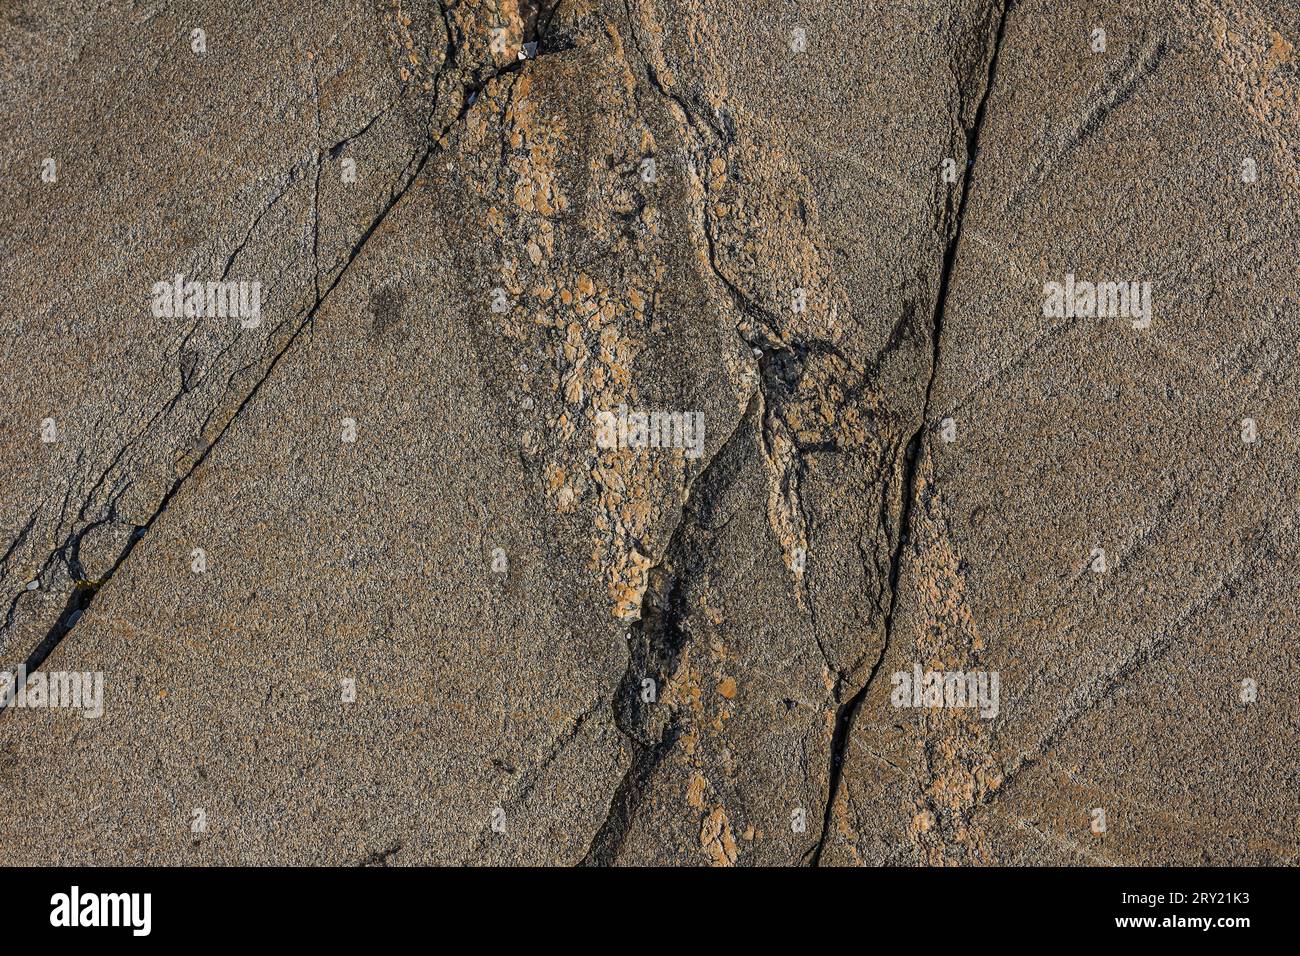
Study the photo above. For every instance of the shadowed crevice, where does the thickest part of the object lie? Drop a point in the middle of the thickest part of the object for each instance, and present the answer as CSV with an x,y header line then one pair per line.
x,y
915,446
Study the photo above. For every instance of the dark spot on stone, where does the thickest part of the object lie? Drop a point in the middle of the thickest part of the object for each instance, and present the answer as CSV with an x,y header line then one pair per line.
x,y
386,310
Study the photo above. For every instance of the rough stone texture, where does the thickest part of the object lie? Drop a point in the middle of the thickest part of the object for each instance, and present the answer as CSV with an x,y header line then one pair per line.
x,y
906,461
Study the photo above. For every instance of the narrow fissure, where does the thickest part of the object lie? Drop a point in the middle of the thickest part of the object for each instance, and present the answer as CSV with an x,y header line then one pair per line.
x,y
915,446
84,594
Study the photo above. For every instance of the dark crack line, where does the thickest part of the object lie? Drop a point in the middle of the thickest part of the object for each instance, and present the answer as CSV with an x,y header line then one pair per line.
x,y
230,261
292,178
290,182
647,650
334,151
912,456
381,857
628,795
81,598
521,788
17,542
760,331
725,136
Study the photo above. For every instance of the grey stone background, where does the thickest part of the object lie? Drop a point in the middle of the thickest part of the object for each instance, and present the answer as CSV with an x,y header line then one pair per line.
x,y
829,535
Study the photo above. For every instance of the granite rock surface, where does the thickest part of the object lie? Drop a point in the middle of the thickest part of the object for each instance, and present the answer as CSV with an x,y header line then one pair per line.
x,y
663,432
